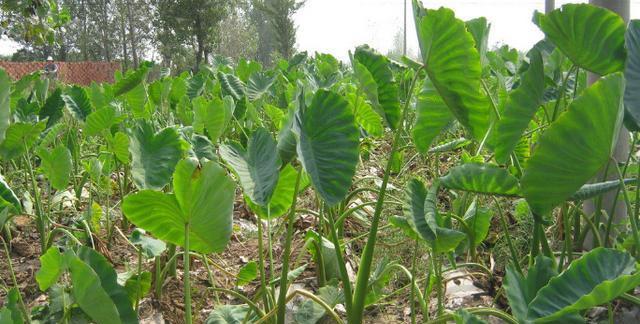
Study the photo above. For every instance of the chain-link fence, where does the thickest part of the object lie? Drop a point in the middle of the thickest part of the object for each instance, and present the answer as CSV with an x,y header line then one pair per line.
x,y
82,73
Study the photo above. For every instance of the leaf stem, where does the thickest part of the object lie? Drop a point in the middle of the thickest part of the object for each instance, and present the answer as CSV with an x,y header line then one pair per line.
x,y
186,257
362,279
282,303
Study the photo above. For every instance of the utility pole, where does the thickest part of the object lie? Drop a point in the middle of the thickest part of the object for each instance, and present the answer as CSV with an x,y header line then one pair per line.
x,y
549,5
404,46
621,151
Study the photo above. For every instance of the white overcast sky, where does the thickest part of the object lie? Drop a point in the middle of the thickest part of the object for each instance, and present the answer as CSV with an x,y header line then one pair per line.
x,y
337,26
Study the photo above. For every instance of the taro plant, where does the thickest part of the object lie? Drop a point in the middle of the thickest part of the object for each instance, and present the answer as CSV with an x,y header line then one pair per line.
x,y
197,216
93,288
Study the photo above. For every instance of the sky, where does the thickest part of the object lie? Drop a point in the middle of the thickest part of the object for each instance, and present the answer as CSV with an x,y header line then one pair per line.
x,y
338,26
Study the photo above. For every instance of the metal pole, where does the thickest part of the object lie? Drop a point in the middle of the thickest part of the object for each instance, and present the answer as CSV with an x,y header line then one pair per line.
x,y
404,47
621,151
549,5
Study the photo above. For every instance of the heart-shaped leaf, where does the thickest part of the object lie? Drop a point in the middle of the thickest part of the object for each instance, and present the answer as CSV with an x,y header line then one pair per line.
x,y
562,162
383,91
8,197
203,199
521,289
432,115
256,167
481,178
259,83
132,80
632,76
453,66
154,155
591,36
100,120
96,289
328,145
78,103
596,278
19,138
52,108
232,85
213,115
56,165
425,223
51,267
520,107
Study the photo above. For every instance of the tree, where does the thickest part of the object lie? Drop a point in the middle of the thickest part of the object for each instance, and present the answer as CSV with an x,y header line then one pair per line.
x,y
34,22
238,35
279,15
192,22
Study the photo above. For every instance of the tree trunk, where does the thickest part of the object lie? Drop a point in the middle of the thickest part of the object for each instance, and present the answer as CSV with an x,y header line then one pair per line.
x,y
199,43
549,5
105,37
85,54
123,39
621,151
132,35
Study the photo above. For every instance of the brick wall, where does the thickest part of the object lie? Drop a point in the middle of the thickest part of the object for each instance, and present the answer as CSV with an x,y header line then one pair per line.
x,y
81,73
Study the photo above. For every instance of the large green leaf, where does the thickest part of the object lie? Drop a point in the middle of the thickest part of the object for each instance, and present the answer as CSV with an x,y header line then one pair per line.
x,y
520,108
563,161
282,197
91,295
132,80
479,28
453,66
596,278
287,138
481,178
365,116
432,115
383,93
478,220
5,103
154,155
101,119
203,198
424,223
591,36
52,108
51,267
522,289
78,103
150,247
632,76
232,85
259,83
256,167
136,100
11,314
421,211
212,115
8,197
230,314
19,138
328,145
109,283
56,165
119,146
